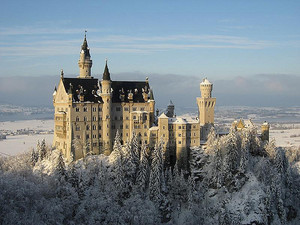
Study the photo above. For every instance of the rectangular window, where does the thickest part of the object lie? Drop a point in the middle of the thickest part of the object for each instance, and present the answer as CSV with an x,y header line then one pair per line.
x,y
100,109
118,109
127,118
133,108
94,144
77,109
179,127
94,109
134,117
126,109
87,136
127,126
142,109
85,109
179,135
179,142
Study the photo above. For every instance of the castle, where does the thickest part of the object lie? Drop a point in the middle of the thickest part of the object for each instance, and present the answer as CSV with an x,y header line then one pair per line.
x,y
92,111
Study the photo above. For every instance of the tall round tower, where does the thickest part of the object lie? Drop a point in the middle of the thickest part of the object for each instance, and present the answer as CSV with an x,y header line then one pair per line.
x,y
206,106
85,62
206,88
106,97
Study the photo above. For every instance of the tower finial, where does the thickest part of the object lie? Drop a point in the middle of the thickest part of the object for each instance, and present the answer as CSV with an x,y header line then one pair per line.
x,y
61,73
106,74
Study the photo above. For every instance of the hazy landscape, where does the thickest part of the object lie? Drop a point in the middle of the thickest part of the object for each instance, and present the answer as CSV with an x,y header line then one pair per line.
x,y
23,126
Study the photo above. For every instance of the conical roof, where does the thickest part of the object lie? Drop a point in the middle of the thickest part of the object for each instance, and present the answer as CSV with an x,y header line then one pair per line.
x,y
106,74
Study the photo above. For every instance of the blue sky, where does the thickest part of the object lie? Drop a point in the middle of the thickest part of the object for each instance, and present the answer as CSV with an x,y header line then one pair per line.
x,y
223,40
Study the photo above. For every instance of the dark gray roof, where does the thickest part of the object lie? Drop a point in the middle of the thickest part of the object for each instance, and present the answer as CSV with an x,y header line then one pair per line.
x,y
106,74
125,87
87,87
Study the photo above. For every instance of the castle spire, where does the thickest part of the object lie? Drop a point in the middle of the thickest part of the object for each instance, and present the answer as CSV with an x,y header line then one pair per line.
x,y
106,74
85,62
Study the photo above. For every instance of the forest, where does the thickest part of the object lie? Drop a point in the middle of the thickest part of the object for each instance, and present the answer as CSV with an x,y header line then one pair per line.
x,y
235,179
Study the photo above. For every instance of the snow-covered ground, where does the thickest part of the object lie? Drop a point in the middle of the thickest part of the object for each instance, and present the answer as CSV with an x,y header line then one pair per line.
x,y
27,124
286,137
21,143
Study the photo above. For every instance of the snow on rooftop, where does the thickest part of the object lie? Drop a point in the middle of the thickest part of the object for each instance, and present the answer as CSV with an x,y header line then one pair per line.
x,y
205,81
163,116
153,128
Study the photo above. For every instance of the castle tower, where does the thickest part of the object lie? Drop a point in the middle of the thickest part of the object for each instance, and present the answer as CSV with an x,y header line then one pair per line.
x,y
206,107
265,130
152,107
170,109
106,97
85,62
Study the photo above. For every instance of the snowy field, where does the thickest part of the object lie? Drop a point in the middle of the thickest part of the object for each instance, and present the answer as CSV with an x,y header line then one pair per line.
x,y
21,143
286,137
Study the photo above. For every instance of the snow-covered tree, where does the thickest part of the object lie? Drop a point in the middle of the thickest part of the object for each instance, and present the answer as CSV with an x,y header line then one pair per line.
x,y
60,168
211,139
143,171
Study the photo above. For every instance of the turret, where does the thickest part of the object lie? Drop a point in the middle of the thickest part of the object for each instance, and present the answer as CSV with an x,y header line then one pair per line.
x,y
170,110
265,131
85,62
106,97
206,106
206,88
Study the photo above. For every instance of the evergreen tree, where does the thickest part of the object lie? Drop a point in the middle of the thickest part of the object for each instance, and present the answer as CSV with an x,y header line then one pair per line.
x,y
73,177
33,157
211,139
156,175
143,172
60,168
118,163
43,149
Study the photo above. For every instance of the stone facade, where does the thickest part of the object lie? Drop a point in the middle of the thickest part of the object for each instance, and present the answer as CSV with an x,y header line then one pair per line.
x,y
89,112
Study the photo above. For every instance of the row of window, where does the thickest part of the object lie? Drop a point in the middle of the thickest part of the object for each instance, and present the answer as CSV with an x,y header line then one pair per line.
x,y
118,109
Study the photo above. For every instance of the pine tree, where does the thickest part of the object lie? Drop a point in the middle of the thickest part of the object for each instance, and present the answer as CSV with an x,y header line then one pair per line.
x,y
211,139
245,152
60,168
73,177
43,149
33,157
155,176
191,191
118,163
143,172
38,151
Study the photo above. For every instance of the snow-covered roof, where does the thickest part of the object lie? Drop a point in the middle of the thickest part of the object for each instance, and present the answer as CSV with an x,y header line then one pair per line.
x,y
153,128
205,81
177,120
248,123
163,116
